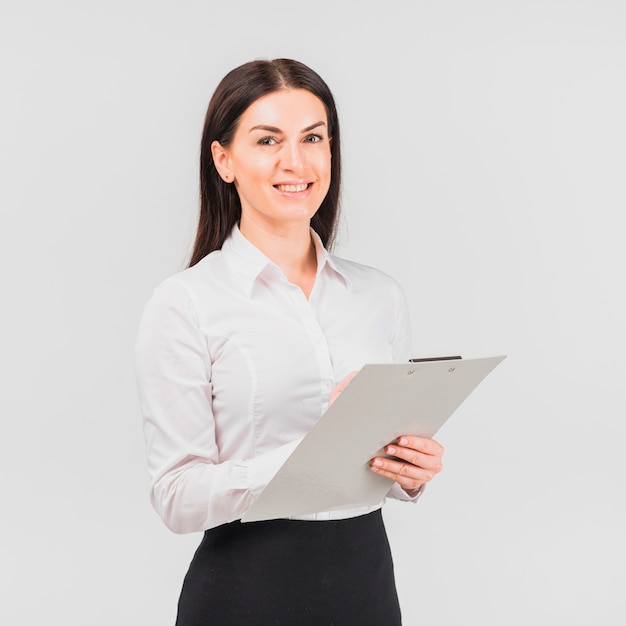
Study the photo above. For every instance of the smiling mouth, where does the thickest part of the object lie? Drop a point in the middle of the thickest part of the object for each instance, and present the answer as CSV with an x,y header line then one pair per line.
x,y
293,188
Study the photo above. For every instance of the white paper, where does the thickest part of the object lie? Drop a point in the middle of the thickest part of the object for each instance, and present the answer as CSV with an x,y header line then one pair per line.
x,y
329,469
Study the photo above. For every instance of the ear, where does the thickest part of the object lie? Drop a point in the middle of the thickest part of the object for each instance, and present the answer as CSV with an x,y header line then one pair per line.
x,y
221,158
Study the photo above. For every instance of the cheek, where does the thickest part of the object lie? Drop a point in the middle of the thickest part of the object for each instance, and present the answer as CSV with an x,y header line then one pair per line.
x,y
323,163
248,179
328,173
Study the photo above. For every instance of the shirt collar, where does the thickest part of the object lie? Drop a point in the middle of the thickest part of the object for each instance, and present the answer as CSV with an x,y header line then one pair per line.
x,y
247,262
327,260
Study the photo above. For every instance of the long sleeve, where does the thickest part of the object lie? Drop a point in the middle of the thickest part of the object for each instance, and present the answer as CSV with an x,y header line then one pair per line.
x,y
190,487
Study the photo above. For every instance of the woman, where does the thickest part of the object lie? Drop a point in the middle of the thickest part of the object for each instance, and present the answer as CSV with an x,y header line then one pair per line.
x,y
240,354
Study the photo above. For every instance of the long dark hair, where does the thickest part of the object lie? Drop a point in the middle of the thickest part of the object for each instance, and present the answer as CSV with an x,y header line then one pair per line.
x,y
220,207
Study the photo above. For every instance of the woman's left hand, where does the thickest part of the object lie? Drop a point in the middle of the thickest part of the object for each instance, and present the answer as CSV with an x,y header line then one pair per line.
x,y
416,461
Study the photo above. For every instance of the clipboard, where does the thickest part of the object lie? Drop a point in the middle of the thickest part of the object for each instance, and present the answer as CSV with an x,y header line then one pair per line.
x,y
329,469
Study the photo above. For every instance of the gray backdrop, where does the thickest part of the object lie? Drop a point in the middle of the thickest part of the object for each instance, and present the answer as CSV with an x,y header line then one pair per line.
x,y
484,168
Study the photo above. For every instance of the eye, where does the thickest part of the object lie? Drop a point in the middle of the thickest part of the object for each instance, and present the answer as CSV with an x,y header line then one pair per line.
x,y
313,138
267,141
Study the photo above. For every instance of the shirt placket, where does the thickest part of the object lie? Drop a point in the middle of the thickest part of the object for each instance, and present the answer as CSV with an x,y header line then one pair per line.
x,y
305,310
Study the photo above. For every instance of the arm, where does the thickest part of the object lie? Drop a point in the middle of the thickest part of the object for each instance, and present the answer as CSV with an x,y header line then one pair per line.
x,y
190,487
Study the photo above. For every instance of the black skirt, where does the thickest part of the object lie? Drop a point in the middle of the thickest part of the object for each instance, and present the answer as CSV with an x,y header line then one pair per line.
x,y
292,572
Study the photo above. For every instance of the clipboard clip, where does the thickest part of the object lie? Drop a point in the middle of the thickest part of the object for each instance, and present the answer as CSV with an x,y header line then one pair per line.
x,y
435,358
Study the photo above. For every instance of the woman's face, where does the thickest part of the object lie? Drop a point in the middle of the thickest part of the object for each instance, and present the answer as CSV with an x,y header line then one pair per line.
x,y
279,158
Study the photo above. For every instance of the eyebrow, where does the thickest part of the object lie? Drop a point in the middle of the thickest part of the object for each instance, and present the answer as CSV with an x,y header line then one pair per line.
x,y
274,129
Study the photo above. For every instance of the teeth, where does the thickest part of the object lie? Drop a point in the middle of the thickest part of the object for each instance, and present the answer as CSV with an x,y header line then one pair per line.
x,y
293,188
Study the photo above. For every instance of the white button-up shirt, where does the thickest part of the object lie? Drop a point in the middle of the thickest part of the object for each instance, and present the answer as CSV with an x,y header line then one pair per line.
x,y
235,365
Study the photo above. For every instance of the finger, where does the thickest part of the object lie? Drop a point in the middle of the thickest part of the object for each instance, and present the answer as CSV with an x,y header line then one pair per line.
x,y
421,444
406,475
419,459
346,380
334,394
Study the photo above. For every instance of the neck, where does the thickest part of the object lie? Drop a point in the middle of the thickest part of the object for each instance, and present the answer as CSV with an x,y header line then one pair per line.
x,y
291,248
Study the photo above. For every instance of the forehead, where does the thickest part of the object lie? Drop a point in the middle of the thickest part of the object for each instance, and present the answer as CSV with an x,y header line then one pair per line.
x,y
286,108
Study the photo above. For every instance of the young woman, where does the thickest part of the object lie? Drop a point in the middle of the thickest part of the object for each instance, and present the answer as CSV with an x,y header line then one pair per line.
x,y
241,353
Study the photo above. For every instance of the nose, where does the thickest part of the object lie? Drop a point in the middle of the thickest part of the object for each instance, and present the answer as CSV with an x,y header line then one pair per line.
x,y
293,157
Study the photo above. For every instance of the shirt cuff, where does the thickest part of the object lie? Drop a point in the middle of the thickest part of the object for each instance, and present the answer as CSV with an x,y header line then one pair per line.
x,y
398,493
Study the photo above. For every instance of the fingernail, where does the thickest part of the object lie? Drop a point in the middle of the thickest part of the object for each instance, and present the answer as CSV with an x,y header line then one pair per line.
x,y
378,463
403,441
391,450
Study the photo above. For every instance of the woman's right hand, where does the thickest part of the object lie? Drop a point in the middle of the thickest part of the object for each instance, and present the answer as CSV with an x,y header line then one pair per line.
x,y
336,391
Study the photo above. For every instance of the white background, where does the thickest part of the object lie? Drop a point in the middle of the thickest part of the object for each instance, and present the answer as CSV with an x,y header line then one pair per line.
x,y
484,147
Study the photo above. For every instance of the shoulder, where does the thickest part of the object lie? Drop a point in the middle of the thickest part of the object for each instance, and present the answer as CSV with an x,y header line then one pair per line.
x,y
362,276
181,290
